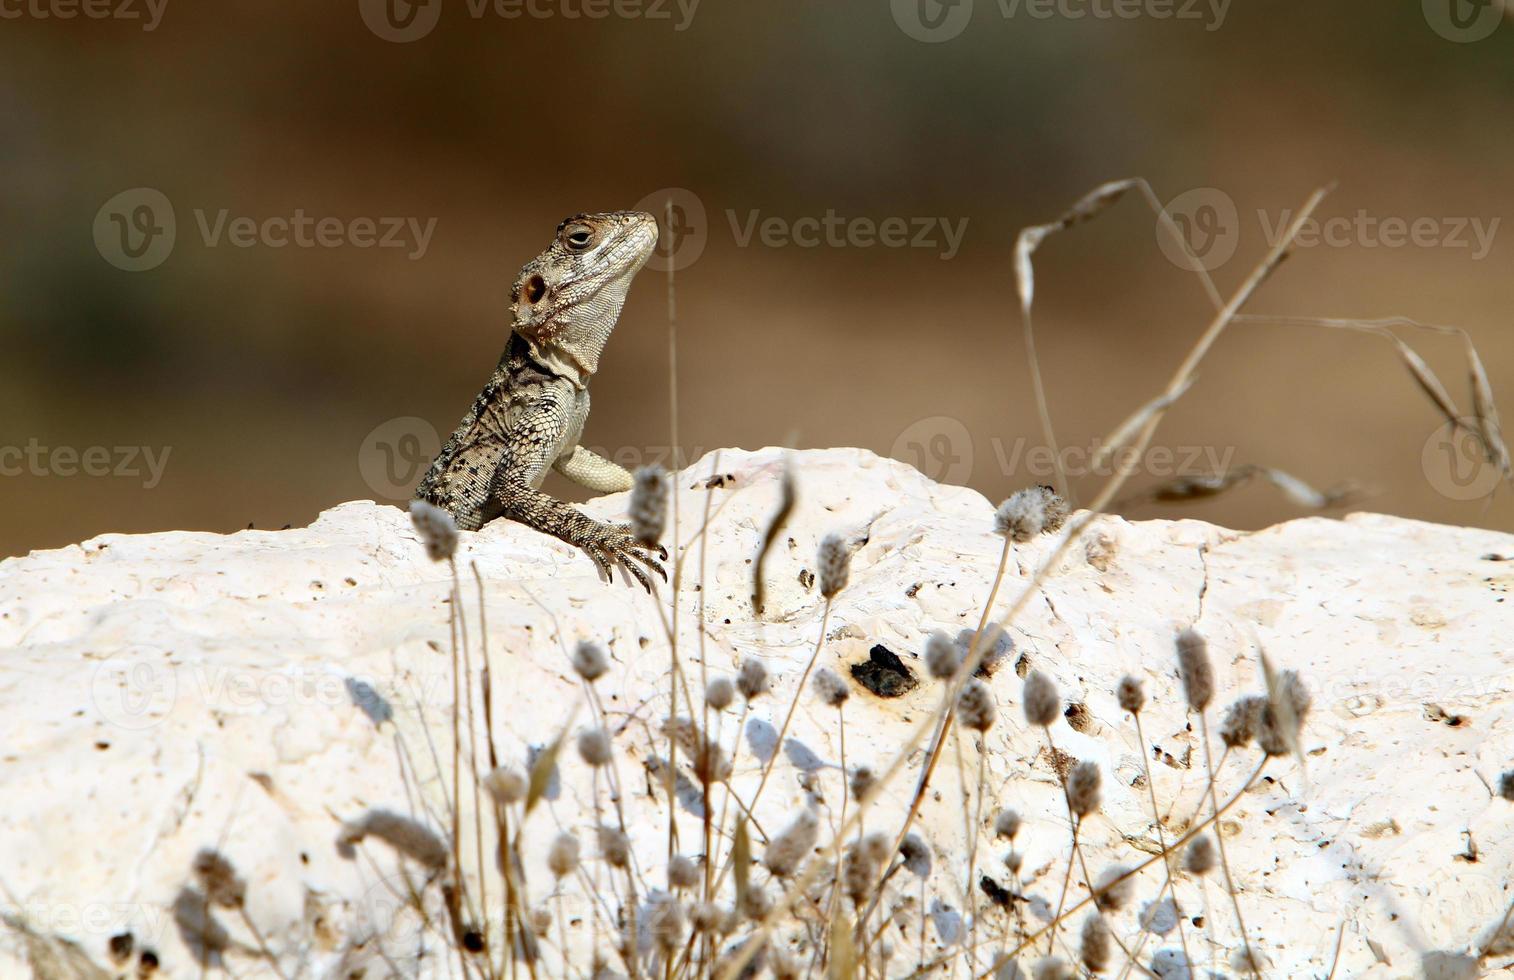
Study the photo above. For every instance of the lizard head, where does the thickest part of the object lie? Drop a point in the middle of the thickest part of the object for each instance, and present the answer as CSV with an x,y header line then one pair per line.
x,y
567,299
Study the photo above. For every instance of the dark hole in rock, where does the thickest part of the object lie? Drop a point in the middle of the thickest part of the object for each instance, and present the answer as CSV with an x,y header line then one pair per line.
x,y
884,673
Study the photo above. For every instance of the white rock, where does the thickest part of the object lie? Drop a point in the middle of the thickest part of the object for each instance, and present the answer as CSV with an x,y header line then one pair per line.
x,y
169,692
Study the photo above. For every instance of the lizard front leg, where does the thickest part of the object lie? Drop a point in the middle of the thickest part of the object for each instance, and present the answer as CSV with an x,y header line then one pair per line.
x,y
608,545
593,471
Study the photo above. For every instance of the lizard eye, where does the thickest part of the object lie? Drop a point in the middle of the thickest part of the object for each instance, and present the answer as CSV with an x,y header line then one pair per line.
x,y
536,288
579,238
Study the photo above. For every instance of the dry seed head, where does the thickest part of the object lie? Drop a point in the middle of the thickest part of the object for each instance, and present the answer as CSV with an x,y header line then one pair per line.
x,y
862,781
1094,943
1055,507
437,529
1029,512
1051,968
562,856
916,854
1238,726
1013,860
683,872
1271,736
706,918
719,693
1506,785
594,747
835,565
830,688
792,845
752,679
219,879
1130,695
648,512
409,837
667,924
615,846
1194,669
858,872
506,784
1083,793
1199,858
1007,824
876,848
975,706
756,905
941,657
1042,703
1291,687
590,660
1114,891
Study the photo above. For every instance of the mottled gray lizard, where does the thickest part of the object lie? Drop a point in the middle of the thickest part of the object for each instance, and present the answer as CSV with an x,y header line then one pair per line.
x,y
531,413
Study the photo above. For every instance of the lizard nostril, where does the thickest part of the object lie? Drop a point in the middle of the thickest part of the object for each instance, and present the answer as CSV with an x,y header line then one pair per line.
x,y
536,288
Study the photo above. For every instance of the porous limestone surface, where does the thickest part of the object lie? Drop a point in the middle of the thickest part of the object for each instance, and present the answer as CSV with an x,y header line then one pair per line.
x,y
162,693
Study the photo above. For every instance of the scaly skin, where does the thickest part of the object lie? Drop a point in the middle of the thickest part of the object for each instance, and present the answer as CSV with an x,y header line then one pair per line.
x,y
530,415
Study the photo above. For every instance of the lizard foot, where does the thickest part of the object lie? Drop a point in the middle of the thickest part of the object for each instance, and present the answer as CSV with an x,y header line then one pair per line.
x,y
616,546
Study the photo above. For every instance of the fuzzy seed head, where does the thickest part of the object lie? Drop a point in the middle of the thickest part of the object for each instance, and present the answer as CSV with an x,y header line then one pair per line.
x,y
862,781
1056,509
1272,736
1083,788
941,656
1114,892
1130,695
594,747
975,706
590,660
1291,687
562,856
667,924
219,879
1094,944
719,693
683,872
1194,669
1013,859
648,511
1199,858
409,837
835,565
1029,512
756,905
615,846
506,784
858,872
1042,703
752,679
1239,724
706,918
1007,824
1506,785
787,851
437,529
830,688
876,848
916,855
1051,968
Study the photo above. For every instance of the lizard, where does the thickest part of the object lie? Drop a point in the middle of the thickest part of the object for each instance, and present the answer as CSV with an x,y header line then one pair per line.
x,y
530,415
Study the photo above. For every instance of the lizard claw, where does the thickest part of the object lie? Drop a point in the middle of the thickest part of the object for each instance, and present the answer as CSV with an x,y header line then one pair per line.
x,y
617,547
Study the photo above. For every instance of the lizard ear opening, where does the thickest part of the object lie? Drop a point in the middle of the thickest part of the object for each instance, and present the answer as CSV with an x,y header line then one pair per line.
x,y
536,288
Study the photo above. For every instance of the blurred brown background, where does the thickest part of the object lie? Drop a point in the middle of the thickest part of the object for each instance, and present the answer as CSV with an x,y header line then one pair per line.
x,y
273,376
